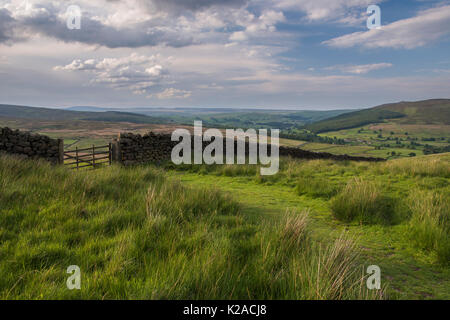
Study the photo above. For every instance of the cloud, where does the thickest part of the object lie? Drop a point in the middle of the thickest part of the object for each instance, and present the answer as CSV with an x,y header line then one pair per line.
x,y
136,73
137,23
49,20
344,11
194,5
110,29
172,93
238,36
7,25
426,27
258,27
441,70
360,69
238,52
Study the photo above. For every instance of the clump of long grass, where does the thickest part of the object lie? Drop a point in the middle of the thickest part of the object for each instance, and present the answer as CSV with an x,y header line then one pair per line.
x,y
186,203
303,268
429,227
430,166
316,187
362,201
295,230
335,272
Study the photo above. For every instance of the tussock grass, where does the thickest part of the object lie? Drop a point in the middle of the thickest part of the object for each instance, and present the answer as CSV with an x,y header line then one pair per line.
x,y
363,201
316,187
295,233
429,228
431,166
136,235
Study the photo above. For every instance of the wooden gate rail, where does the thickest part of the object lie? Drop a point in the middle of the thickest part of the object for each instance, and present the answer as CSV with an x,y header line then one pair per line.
x,y
88,157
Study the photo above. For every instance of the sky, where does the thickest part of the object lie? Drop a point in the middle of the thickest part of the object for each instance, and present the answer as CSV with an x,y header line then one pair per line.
x,y
278,54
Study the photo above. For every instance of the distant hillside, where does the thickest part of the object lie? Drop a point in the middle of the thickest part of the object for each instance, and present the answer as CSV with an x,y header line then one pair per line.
x,y
88,109
257,119
436,111
34,113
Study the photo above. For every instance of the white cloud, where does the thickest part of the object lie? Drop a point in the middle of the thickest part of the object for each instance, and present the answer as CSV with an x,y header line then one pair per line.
x,y
258,26
238,36
441,70
427,26
155,70
360,69
137,73
172,93
344,11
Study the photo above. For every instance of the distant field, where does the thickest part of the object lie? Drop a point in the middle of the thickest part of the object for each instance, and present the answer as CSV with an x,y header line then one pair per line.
x,y
361,151
403,139
257,119
83,134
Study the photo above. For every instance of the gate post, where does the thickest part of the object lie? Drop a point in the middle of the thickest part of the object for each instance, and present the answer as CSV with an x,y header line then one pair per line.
x,y
60,151
115,150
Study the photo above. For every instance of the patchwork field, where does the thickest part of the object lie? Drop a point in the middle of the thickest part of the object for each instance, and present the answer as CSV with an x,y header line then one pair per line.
x,y
383,139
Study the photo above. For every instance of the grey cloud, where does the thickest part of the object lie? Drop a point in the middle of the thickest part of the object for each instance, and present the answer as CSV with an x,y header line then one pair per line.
x,y
94,32
178,6
7,25
195,4
180,27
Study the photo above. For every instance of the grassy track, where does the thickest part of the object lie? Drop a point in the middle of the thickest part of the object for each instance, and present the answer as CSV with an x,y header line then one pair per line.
x,y
408,272
224,232
137,235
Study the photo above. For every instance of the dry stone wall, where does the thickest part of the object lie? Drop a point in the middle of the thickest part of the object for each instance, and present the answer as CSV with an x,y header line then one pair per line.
x,y
136,149
29,145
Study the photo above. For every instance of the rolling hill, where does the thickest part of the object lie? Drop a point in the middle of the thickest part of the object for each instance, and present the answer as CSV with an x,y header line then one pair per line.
x,y
35,113
279,119
89,109
435,111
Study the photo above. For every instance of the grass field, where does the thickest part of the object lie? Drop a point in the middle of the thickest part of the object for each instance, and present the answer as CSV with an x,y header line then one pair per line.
x,y
134,233
223,232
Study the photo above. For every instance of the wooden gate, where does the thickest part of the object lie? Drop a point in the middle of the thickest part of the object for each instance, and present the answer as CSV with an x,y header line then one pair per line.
x,y
94,156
